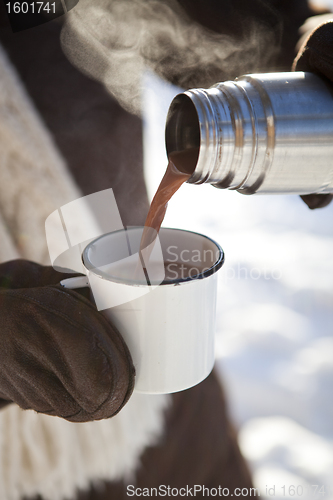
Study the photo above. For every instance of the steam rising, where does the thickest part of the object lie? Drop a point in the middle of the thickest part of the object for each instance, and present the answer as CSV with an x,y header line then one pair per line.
x,y
114,41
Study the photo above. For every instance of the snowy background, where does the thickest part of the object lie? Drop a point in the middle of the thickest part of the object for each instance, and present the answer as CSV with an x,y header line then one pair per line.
x,y
274,317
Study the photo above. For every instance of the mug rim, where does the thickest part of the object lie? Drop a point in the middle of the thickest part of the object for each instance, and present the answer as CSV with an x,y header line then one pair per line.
x,y
205,274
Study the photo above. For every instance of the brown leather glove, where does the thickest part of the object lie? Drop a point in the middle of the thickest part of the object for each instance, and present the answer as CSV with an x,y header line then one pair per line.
x,y
316,55
58,354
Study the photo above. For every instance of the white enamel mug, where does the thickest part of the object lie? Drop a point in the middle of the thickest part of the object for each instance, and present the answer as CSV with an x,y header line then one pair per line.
x,y
168,323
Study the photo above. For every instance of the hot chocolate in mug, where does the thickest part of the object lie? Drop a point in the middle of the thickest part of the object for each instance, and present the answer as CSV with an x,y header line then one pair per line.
x,y
164,308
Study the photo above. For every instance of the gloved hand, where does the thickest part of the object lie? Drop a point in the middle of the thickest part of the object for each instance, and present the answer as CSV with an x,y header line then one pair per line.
x,y
58,354
316,55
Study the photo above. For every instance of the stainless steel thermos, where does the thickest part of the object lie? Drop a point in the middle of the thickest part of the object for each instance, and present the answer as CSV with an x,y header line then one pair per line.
x,y
262,133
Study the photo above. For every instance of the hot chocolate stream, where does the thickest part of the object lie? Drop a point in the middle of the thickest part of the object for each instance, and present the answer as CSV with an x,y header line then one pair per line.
x,y
180,168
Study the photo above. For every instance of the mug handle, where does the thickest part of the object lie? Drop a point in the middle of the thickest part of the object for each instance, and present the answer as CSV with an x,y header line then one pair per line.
x,y
77,282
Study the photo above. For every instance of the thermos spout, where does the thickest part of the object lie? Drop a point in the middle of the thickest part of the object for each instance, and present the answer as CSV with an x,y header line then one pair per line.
x,y
262,133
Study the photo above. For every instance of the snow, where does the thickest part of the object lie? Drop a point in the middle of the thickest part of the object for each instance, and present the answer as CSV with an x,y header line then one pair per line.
x,y
274,343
